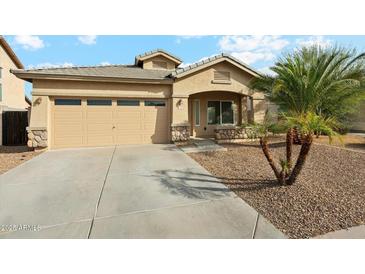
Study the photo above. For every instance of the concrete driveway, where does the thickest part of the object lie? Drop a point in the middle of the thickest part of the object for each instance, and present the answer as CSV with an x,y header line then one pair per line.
x,y
144,191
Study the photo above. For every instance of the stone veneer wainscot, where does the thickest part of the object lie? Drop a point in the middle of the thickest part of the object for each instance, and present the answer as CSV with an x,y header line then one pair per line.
x,y
37,137
180,132
233,133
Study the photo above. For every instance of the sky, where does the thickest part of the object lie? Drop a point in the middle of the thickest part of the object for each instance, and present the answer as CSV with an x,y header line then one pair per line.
x,y
259,52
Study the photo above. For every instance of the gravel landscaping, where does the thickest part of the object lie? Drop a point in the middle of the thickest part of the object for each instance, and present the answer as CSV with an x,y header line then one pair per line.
x,y
11,156
329,194
349,141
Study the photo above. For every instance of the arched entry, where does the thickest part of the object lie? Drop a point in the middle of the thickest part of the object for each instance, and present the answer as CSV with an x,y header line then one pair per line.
x,y
211,109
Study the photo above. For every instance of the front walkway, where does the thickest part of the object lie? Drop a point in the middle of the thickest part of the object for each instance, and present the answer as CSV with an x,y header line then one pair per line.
x,y
145,191
201,145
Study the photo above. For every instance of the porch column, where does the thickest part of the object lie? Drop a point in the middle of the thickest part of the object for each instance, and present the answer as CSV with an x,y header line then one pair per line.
x,y
180,127
244,114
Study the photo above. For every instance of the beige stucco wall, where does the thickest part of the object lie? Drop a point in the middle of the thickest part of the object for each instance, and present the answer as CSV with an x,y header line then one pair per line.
x,y
179,95
147,64
205,130
100,89
202,81
12,87
45,90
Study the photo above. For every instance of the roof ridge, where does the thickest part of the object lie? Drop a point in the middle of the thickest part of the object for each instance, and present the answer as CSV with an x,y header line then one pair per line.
x,y
207,60
155,51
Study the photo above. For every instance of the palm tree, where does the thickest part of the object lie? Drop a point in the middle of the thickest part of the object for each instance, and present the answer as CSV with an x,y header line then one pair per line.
x,y
316,89
327,81
308,124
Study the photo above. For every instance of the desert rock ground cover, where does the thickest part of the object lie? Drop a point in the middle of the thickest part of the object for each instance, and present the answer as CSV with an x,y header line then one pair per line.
x,y
329,194
11,156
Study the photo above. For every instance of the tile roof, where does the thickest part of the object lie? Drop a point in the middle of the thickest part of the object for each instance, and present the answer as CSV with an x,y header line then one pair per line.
x,y
126,71
209,60
112,71
156,51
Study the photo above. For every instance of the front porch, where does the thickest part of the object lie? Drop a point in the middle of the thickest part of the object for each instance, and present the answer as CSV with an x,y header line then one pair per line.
x,y
219,115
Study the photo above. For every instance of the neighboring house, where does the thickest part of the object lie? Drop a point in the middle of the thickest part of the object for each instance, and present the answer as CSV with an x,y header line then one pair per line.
x,y
358,120
12,89
152,101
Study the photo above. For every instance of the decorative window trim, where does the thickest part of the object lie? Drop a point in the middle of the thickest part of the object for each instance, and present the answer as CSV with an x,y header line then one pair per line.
x,y
220,114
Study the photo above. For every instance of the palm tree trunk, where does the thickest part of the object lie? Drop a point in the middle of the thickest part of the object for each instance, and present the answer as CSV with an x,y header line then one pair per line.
x,y
296,136
304,150
265,149
289,147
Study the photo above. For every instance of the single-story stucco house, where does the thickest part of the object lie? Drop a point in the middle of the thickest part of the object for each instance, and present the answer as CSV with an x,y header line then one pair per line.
x,y
151,101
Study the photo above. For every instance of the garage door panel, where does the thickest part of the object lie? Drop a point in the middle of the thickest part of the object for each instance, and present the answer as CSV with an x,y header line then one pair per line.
x,y
128,126
129,138
100,116
99,127
68,141
99,140
91,125
68,116
69,130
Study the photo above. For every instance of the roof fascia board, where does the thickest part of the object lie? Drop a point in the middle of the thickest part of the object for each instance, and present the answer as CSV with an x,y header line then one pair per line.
x,y
216,61
30,76
166,55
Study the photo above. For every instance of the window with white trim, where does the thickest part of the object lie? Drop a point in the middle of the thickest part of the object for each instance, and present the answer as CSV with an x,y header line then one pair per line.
x,y
197,112
220,112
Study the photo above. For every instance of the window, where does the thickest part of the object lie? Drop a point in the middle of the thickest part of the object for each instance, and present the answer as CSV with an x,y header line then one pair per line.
x,y
214,112
154,103
227,112
220,112
159,64
197,112
222,75
67,102
99,102
128,102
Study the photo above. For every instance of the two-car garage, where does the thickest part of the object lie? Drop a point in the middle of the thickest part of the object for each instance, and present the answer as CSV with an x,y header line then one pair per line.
x,y
80,122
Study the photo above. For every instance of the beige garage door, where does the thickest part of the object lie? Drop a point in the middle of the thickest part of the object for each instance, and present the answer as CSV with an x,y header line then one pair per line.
x,y
100,122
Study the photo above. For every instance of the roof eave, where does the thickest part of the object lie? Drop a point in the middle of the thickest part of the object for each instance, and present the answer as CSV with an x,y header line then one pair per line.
x,y
168,55
211,61
48,76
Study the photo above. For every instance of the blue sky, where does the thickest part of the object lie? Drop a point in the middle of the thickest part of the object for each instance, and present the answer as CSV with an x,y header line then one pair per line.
x,y
260,52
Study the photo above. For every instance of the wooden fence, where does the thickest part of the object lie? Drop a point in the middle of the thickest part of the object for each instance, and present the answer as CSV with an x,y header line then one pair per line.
x,y
14,125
